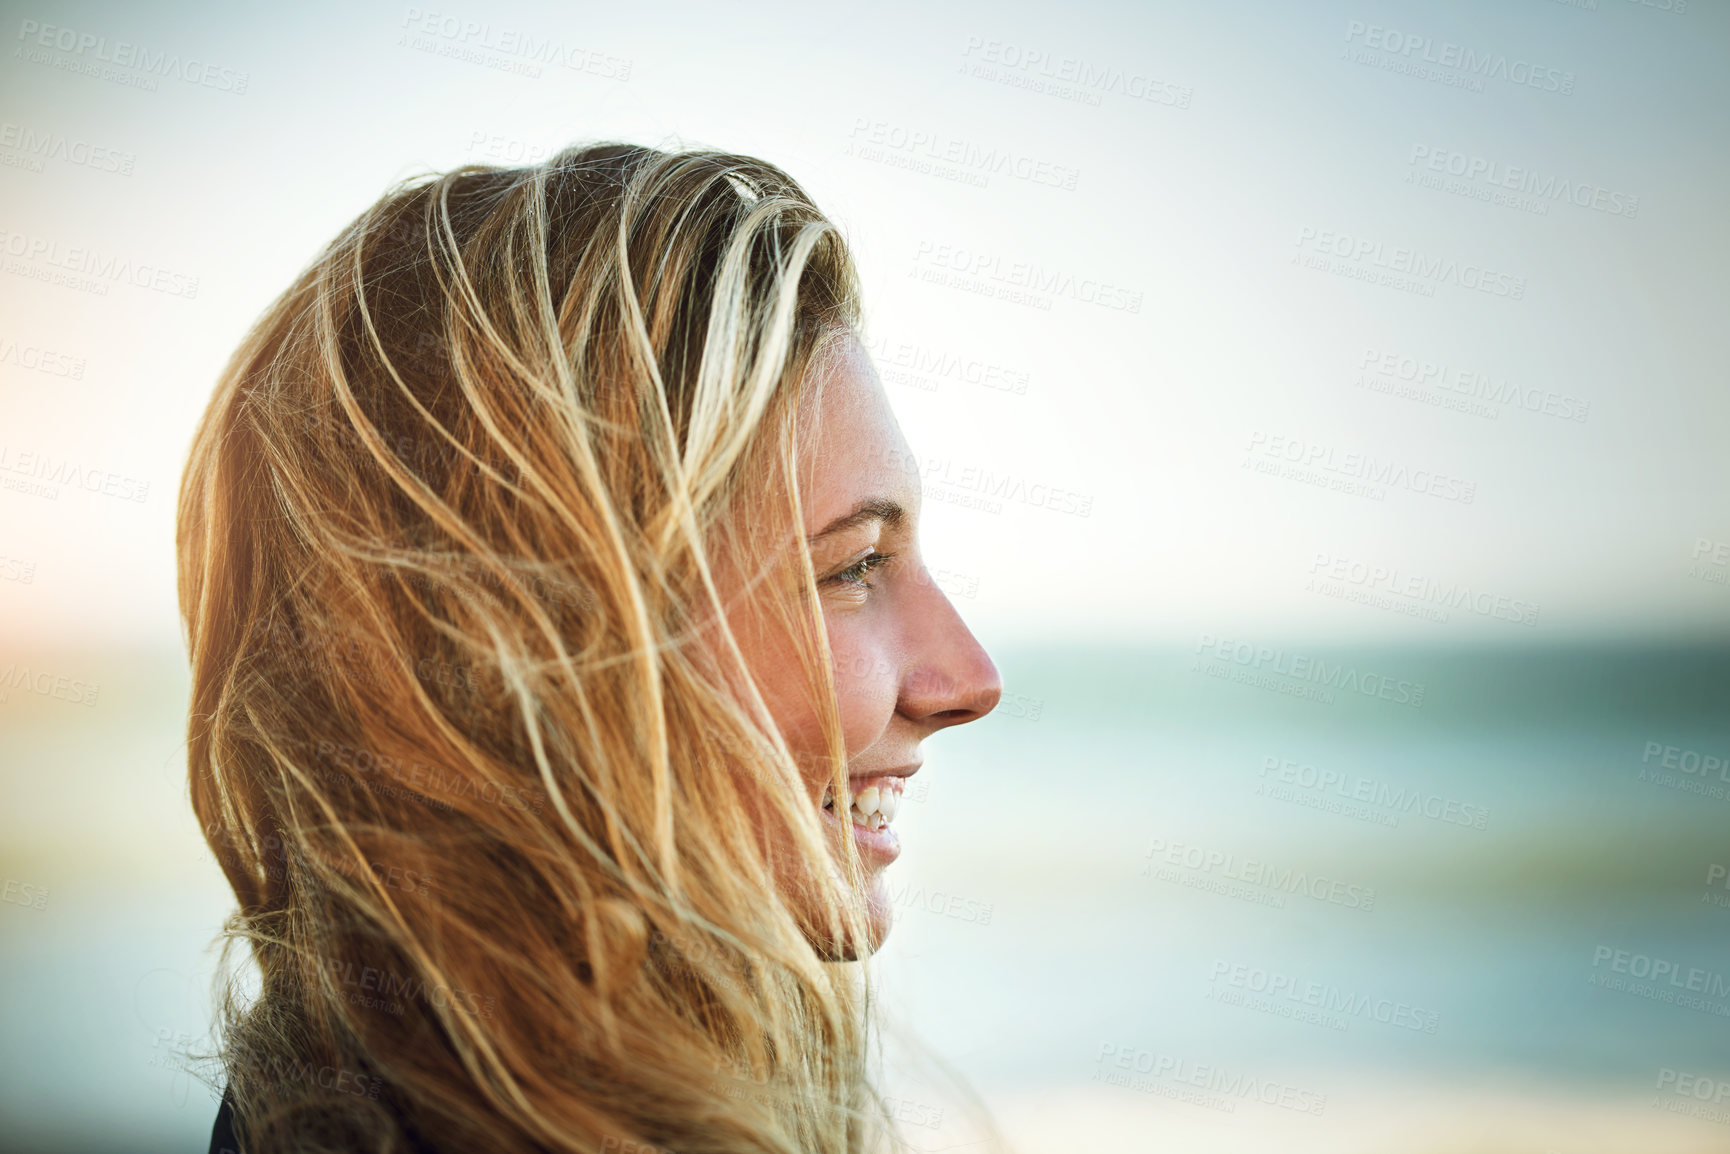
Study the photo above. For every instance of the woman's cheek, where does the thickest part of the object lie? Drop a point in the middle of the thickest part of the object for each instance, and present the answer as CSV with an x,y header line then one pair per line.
x,y
866,686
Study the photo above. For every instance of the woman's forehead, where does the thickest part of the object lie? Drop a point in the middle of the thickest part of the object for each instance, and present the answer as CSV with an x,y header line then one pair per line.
x,y
852,448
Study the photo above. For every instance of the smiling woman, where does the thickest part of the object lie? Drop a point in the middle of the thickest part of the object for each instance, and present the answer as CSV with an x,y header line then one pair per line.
x,y
577,872
904,664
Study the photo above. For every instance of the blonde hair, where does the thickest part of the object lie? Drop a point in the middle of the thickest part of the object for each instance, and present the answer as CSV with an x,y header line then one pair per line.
x,y
469,732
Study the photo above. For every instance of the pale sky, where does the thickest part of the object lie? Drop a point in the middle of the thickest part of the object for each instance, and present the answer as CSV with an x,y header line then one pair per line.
x,y
1269,290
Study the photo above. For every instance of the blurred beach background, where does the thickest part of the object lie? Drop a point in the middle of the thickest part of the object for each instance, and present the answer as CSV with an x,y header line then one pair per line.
x,y
1323,420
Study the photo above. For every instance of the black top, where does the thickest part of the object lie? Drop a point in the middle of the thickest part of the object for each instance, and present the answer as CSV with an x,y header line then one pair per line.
x,y
222,1134
222,1140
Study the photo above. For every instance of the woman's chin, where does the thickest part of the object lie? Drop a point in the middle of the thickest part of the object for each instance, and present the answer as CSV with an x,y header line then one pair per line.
x,y
879,911
879,919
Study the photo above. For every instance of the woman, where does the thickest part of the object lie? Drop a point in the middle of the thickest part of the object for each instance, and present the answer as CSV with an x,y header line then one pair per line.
x,y
561,647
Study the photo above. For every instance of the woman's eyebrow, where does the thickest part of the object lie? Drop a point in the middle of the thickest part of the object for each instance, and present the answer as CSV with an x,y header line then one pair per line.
x,y
871,509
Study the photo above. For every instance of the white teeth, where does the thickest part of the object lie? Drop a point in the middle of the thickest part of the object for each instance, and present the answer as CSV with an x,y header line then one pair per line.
x,y
874,807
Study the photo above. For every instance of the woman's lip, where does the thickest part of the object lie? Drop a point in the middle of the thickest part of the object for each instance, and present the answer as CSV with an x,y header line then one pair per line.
x,y
878,847
904,772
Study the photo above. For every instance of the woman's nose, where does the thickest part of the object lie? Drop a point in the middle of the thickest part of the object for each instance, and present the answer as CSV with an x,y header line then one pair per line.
x,y
952,680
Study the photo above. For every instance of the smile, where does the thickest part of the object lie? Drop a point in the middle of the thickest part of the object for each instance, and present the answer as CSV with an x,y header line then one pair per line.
x,y
874,804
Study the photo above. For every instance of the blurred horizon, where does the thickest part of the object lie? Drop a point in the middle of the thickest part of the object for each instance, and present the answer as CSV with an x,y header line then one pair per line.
x,y
1534,811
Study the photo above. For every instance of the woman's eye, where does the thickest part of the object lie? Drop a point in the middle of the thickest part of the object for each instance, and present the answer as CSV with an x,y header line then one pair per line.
x,y
856,573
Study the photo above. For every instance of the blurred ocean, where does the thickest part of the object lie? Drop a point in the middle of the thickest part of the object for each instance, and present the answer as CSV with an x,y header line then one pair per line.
x,y
1159,901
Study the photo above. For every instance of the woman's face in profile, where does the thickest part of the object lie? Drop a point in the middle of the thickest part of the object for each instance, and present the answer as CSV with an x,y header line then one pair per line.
x,y
905,663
